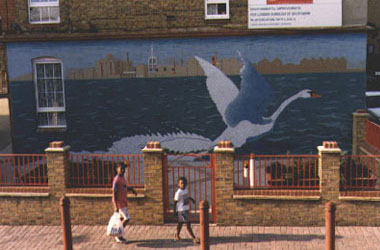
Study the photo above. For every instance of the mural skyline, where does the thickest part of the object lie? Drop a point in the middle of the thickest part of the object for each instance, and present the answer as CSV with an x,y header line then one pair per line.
x,y
79,55
113,68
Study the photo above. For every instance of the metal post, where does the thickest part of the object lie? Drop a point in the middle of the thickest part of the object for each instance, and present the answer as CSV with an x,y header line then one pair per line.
x,y
252,170
330,226
66,223
204,230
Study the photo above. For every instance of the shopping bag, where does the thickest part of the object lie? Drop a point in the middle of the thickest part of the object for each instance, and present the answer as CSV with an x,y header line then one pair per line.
x,y
115,227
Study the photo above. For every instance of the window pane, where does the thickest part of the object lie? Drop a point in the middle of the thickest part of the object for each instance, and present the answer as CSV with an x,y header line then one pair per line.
x,y
43,119
50,86
51,100
49,69
57,70
44,13
51,119
59,99
39,1
212,9
54,13
61,118
58,85
42,101
41,86
35,15
40,70
56,118
222,9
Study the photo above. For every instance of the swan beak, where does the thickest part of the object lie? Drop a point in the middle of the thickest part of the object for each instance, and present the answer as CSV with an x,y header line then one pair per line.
x,y
315,95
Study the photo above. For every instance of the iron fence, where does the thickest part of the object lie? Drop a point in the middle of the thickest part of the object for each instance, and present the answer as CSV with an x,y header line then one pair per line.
x,y
199,172
360,172
276,172
23,170
98,170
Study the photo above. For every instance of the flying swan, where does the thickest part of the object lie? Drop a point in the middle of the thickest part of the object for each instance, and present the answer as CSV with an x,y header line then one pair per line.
x,y
242,112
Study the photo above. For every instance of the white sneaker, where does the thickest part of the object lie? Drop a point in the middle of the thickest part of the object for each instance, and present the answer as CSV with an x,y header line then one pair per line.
x,y
120,240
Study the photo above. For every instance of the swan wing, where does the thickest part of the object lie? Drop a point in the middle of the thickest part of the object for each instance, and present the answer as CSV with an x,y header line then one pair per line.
x,y
221,89
182,142
253,99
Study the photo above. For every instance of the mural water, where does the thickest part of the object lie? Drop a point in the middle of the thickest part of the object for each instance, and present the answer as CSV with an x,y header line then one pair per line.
x,y
101,114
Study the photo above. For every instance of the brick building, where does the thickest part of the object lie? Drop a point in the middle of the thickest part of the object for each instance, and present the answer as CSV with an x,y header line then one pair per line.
x,y
121,70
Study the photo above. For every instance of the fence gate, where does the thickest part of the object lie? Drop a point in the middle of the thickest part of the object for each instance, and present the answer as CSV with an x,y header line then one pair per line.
x,y
200,174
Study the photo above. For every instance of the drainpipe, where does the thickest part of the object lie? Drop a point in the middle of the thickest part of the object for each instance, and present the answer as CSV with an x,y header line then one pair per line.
x,y
6,7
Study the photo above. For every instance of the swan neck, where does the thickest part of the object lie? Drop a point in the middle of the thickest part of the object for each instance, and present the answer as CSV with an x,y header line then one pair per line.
x,y
283,105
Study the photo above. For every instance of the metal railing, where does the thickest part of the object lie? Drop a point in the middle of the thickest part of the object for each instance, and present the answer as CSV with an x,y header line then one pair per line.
x,y
199,172
360,172
98,170
372,136
276,172
23,170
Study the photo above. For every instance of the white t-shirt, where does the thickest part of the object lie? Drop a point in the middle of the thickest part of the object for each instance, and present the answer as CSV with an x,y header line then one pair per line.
x,y
182,198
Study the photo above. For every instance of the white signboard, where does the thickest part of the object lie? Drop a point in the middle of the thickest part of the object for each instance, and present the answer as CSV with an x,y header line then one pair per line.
x,y
294,13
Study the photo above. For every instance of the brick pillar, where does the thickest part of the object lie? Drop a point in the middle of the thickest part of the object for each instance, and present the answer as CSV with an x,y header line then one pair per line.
x,y
57,168
153,181
329,175
358,129
224,181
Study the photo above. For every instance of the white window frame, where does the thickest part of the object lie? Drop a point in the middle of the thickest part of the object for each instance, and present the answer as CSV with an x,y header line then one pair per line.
x,y
40,5
218,16
39,109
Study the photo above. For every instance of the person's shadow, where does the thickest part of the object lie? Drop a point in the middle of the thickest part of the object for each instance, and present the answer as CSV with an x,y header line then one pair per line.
x,y
167,243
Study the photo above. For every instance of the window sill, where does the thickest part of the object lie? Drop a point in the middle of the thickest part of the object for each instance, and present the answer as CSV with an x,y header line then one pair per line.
x,y
51,130
54,22
217,17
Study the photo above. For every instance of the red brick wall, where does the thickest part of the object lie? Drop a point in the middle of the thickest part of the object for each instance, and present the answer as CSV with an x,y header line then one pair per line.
x,y
233,207
7,13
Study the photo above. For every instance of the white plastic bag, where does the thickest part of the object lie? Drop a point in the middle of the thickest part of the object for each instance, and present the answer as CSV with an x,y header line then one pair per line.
x,y
115,227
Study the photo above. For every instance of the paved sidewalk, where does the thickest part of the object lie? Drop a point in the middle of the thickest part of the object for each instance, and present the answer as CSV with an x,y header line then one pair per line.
x,y
160,237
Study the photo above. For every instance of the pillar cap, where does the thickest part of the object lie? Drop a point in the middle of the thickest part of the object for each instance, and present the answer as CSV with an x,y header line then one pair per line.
x,y
57,146
153,147
224,146
361,112
322,149
153,144
223,150
152,150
